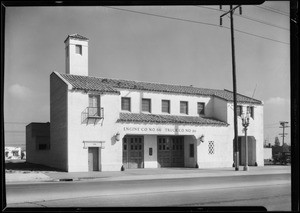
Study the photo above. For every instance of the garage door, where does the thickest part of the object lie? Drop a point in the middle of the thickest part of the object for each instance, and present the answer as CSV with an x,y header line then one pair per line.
x,y
133,152
170,152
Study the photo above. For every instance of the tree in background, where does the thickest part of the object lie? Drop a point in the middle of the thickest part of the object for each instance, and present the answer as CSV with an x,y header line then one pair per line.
x,y
277,142
286,148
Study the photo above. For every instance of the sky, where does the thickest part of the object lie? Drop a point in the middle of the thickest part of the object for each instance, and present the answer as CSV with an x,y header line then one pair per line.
x,y
181,45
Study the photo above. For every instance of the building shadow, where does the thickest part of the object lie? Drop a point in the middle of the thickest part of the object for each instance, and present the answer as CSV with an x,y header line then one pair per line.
x,y
25,166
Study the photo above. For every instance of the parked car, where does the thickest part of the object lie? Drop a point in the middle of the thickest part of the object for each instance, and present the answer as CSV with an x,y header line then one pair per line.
x,y
282,158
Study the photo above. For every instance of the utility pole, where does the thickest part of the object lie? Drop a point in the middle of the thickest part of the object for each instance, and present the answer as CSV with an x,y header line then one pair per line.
x,y
236,148
283,126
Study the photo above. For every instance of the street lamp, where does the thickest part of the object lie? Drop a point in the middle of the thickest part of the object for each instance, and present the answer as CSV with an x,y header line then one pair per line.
x,y
245,123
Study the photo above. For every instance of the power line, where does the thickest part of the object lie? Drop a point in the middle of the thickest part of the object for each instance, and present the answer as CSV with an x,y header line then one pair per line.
x,y
161,16
12,122
272,10
262,37
287,13
262,22
197,22
247,17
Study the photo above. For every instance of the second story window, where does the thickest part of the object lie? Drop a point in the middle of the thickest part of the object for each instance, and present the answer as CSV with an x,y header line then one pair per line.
x,y
146,105
200,107
165,106
250,110
184,107
239,110
78,49
94,105
125,105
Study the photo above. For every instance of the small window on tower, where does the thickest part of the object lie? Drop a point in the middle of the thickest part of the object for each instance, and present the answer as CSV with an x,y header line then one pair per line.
x,y
78,49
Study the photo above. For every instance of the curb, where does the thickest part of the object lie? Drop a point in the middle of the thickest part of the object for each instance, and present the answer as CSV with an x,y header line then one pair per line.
x,y
128,177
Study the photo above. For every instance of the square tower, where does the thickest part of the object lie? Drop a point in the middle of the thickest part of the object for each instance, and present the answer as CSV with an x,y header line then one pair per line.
x,y
76,47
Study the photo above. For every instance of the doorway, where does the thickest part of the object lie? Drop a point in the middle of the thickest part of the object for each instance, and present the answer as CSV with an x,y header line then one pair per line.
x,y
93,158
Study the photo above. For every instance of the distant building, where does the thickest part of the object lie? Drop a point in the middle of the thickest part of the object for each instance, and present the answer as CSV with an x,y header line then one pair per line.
x,y
268,153
13,153
101,124
37,142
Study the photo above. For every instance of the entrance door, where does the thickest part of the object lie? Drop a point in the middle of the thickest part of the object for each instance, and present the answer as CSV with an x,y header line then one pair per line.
x,y
170,152
133,152
93,158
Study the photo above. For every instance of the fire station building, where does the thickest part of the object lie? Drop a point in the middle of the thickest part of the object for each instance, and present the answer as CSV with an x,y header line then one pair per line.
x,y
102,124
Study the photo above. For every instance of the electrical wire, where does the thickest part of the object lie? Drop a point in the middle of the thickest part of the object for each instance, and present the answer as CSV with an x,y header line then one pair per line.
x,y
11,122
275,9
272,11
192,21
161,16
246,17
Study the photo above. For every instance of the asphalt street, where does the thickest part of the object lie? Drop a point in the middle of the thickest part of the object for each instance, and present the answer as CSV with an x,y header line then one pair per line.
x,y
272,191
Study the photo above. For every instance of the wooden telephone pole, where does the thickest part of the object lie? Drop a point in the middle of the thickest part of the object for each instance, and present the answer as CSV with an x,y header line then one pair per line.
x,y
283,126
236,148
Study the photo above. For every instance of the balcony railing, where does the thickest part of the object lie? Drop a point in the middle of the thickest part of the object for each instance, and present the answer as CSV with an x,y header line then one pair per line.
x,y
95,112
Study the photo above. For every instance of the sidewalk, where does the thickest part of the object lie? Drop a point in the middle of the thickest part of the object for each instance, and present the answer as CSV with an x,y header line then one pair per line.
x,y
141,174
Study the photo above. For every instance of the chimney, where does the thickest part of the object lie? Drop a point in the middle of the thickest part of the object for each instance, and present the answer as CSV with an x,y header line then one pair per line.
x,y
76,47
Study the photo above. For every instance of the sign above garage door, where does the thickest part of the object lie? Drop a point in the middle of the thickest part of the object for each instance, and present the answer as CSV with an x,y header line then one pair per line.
x,y
158,130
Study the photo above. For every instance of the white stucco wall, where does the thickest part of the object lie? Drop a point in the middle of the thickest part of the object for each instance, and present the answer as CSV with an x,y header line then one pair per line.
x,y
157,97
102,130
190,161
220,109
150,141
255,128
105,130
56,156
77,64
222,156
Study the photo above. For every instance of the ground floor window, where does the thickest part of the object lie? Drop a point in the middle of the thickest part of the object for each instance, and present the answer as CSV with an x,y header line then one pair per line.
x,y
42,143
192,147
211,147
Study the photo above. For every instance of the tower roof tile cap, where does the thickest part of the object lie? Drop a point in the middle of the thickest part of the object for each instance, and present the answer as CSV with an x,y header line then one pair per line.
x,y
77,36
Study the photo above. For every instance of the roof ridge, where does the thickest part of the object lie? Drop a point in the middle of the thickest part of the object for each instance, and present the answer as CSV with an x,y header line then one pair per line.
x,y
147,82
169,88
241,95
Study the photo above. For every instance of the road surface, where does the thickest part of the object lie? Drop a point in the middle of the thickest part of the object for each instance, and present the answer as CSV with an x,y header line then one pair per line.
x,y
271,191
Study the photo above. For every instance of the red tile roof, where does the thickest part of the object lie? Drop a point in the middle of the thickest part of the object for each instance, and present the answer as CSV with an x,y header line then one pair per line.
x,y
77,36
113,85
168,119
